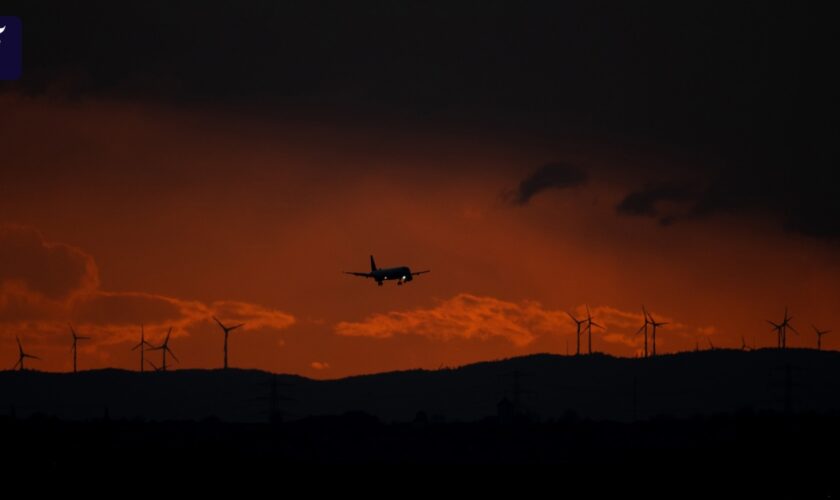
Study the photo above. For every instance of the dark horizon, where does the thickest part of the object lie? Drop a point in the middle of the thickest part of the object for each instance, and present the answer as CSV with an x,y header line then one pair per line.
x,y
599,387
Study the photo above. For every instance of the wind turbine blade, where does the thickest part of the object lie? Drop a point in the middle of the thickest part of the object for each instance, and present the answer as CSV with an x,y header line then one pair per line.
x,y
236,326
595,324
30,356
172,354
640,329
137,346
17,364
794,329
573,318
220,323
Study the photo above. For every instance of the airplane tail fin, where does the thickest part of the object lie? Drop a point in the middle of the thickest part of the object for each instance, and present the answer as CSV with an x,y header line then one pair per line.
x,y
372,264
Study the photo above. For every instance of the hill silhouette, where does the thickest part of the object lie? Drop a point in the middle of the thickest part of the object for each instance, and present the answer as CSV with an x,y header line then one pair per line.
x,y
597,387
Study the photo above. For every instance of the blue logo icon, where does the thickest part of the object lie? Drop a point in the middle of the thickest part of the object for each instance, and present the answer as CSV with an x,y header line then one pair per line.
x,y
10,48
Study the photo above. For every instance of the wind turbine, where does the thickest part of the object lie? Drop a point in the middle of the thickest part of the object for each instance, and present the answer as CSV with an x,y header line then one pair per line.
x,y
654,324
782,327
142,346
22,356
786,324
645,328
76,338
589,325
227,330
819,333
164,348
578,322
778,328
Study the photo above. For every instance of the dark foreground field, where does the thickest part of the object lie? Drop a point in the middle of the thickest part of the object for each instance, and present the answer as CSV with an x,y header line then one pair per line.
x,y
745,455
745,440
766,421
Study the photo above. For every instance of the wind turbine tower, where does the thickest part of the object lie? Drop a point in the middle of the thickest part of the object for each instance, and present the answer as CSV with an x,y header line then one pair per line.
x,y
589,325
578,322
76,339
819,333
142,345
164,348
227,330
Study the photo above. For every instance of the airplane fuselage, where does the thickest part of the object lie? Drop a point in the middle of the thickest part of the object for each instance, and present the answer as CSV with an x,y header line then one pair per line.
x,y
397,274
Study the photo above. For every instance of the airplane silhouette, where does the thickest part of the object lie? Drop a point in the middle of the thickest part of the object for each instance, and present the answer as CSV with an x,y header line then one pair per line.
x,y
398,274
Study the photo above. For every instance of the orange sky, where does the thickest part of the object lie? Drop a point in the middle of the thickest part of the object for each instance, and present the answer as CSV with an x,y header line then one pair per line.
x,y
118,213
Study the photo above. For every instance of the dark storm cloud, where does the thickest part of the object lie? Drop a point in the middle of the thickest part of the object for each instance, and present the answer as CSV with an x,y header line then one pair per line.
x,y
672,71
550,176
802,201
648,201
745,82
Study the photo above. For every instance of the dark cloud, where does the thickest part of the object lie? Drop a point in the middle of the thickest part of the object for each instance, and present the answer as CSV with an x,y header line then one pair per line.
x,y
692,74
667,202
33,266
550,176
731,81
685,71
803,201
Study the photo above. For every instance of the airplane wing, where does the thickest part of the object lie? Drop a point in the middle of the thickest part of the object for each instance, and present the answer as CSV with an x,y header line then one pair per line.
x,y
421,272
363,275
